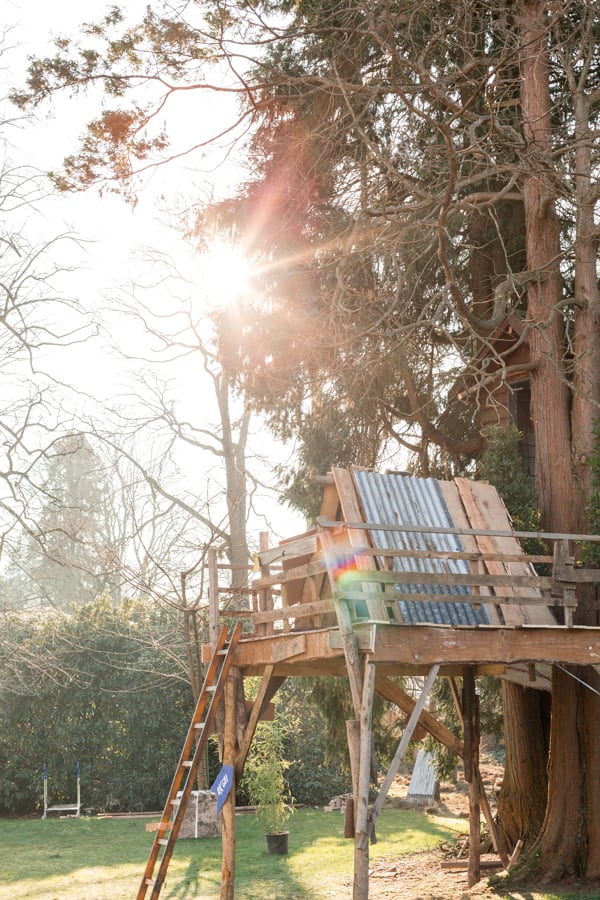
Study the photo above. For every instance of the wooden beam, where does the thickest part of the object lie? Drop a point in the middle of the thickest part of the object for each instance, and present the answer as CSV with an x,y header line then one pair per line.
x,y
296,611
353,735
464,864
413,649
300,546
403,745
499,579
498,841
330,502
426,645
459,518
265,596
286,575
267,689
346,633
484,599
470,553
392,692
484,510
213,597
437,529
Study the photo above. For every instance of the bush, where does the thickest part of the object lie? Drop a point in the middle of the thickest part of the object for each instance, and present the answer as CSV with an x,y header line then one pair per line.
x,y
315,773
264,779
591,551
105,687
312,782
502,466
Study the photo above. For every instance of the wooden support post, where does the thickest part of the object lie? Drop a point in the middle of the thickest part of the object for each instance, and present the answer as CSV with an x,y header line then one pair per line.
x,y
228,810
353,734
498,841
344,620
562,585
213,598
470,706
363,828
265,595
214,629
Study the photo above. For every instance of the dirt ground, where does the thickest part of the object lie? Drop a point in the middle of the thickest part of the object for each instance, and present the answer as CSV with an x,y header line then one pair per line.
x,y
421,876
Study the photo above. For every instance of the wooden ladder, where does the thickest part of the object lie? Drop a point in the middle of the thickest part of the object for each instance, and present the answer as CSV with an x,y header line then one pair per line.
x,y
189,762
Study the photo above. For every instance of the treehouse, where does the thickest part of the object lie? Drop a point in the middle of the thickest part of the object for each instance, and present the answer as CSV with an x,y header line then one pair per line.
x,y
402,576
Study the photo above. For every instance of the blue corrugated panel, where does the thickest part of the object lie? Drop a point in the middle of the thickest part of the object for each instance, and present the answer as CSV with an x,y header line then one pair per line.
x,y
405,500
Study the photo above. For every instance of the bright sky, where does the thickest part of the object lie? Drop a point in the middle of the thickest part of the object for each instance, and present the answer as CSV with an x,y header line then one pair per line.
x,y
113,229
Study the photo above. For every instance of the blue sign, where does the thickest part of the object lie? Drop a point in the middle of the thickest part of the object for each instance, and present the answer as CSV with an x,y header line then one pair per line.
x,y
222,785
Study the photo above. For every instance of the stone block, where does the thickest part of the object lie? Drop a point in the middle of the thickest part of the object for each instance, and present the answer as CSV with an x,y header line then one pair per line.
x,y
201,818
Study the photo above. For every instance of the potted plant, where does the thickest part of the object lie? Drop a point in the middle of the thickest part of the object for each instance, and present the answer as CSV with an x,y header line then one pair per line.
x,y
265,784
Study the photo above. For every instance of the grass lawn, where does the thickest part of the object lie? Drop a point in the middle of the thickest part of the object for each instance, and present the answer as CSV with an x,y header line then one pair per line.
x,y
103,859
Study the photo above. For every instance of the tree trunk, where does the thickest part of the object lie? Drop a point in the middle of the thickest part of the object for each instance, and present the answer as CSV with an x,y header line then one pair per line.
x,y
522,798
586,338
568,844
549,386
234,458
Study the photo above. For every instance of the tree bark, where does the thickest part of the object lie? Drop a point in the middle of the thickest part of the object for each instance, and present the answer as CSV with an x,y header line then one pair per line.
x,y
586,338
549,385
522,798
564,403
569,842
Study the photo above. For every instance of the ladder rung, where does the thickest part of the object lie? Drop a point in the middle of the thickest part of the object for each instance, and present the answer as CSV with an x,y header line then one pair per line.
x,y
211,688
163,841
187,764
221,652
199,725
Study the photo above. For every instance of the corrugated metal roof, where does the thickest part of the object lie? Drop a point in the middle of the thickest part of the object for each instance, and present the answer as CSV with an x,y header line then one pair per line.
x,y
403,499
424,785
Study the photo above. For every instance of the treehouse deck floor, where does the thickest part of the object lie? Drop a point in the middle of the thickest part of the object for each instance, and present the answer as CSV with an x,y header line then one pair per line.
x,y
413,649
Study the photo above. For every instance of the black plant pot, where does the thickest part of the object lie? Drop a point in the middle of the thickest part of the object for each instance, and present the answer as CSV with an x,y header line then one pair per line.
x,y
278,843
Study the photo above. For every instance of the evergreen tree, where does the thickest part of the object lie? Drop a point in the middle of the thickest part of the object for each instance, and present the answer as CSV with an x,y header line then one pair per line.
x,y
68,560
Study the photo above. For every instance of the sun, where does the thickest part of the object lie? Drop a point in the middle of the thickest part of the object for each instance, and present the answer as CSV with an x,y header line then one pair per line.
x,y
224,274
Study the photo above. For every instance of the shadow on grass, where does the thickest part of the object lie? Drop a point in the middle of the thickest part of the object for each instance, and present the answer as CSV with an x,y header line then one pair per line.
x,y
53,857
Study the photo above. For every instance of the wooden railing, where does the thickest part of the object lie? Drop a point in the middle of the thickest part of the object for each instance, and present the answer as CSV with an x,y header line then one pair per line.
x,y
301,580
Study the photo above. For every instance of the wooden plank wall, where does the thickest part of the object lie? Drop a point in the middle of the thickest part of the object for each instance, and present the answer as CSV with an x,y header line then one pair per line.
x,y
485,510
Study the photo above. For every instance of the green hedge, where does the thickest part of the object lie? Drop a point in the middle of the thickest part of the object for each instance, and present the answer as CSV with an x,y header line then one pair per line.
x,y
108,687
105,687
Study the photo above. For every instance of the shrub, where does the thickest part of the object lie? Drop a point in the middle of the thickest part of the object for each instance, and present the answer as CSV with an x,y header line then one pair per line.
x,y
264,779
105,687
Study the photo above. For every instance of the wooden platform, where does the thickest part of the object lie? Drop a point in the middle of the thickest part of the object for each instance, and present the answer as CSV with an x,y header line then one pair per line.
x,y
369,595
413,649
316,589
